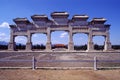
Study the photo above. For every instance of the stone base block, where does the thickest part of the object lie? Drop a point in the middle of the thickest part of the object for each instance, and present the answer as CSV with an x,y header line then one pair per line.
x,y
70,46
48,46
11,46
29,46
90,46
107,46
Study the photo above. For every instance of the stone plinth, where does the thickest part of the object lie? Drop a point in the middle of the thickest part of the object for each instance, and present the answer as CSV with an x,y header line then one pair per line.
x,y
70,46
48,46
29,46
11,46
107,46
90,46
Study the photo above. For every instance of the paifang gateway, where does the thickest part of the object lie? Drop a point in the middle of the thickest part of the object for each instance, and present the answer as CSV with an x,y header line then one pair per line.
x,y
59,22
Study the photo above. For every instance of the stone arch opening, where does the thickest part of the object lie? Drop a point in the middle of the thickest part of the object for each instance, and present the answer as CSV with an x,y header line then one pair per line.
x,y
38,41
59,39
98,42
20,42
80,41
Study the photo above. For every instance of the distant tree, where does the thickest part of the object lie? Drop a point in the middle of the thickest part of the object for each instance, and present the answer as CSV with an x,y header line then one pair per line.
x,y
3,47
98,47
81,47
116,47
20,47
42,46
37,46
53,46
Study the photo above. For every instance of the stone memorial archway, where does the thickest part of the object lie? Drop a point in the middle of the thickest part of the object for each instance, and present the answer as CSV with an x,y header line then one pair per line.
x,y
60,22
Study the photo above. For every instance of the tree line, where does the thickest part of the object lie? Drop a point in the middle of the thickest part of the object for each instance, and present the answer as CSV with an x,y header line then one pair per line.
x,y
42,47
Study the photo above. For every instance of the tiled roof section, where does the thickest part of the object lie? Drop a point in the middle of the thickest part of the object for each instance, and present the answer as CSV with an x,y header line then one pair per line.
x,y
12,26
21,20
39,16
80,16
99,19
59,14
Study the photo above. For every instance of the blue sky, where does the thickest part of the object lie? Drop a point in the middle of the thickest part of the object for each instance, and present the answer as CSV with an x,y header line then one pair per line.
x,y
110,9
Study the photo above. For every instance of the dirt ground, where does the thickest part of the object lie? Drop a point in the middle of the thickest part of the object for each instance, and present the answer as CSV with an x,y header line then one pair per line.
x,y
27,74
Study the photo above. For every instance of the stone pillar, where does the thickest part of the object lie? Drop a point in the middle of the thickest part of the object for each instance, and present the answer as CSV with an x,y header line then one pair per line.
x,y
107,44
11,45
70,44
90,45
48,44
29,43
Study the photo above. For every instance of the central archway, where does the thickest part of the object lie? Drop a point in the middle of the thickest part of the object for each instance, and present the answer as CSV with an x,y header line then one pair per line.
x,y
59,39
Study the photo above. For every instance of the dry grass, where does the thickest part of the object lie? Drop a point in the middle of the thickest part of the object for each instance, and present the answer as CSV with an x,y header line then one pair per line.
x,y
27,74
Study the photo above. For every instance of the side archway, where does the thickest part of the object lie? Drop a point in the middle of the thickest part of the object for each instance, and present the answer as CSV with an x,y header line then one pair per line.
x,y
20,42
98,42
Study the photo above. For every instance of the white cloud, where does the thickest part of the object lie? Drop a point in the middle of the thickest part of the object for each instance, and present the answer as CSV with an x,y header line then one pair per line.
x,y
4,25
2,34
21,39
35,35
4,37
62,35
